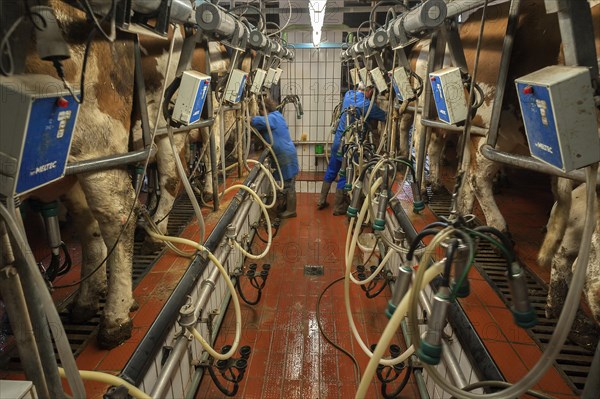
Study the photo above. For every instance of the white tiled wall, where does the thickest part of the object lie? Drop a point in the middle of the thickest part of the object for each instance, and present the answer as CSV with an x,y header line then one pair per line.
x,y
315,77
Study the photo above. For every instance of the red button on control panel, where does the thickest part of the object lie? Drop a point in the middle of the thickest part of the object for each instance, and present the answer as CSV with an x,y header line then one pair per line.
x,y
62,103
528,90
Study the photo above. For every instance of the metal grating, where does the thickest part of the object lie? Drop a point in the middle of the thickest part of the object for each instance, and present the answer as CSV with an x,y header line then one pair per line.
x,y
80,334
314,270
573,361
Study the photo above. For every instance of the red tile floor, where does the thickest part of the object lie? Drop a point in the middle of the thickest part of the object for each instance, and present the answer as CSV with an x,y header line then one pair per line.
x,y
290,359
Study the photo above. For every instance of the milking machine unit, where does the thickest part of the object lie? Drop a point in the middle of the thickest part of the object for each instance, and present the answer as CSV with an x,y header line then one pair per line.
x,y
556,137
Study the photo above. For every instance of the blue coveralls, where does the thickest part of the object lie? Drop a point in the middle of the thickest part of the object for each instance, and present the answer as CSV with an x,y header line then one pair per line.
x,y
283,147
358,100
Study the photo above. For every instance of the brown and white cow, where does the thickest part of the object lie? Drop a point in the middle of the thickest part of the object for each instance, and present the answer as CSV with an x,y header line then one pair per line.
x,y
537,44
564,231
100,202
154,66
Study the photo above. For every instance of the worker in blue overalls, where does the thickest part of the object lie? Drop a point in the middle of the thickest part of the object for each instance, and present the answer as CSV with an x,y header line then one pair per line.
x,y
284,150
360,100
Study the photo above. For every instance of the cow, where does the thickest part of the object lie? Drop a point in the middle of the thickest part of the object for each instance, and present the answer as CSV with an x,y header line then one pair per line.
x,y
564,231
154,65
537,30
101,203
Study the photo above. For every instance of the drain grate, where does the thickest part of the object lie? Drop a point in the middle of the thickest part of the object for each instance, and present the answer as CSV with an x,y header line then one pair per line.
x,y
573,361
80,334
314,270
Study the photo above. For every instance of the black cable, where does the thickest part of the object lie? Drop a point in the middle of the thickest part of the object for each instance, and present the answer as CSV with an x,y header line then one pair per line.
x,y
450,251
357,372
400,387
241,292
220,386
417,241
372,295
97,25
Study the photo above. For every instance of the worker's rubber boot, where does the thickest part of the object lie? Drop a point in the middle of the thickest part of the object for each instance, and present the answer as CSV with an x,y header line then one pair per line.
x,y
340,206
290,211
282,201
322,202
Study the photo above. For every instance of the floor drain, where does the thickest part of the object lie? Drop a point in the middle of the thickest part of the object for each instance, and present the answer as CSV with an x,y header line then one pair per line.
x,y
313,270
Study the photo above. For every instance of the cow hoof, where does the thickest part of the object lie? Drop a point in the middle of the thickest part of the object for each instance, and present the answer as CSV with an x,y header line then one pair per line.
x,y
134,306
81,314
584,332
150,247
111,336
551,312
140,235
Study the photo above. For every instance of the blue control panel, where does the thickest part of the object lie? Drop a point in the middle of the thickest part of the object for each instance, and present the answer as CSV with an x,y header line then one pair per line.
x,y
50,127
559,115
199,101
397,91
540,123
240,93
439,99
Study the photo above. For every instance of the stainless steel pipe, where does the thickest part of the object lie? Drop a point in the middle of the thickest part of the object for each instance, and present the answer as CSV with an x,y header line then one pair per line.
x,y
109,162
207,287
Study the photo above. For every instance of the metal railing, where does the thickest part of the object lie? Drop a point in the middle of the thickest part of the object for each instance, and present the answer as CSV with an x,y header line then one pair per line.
x,y
164,362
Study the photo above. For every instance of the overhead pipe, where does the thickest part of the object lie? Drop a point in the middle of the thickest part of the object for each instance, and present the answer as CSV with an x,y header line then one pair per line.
x,y
180,11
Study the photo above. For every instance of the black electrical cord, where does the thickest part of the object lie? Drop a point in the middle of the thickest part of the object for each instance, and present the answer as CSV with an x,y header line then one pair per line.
x,y
417,241
241,292
220,386
400,388
450,252
368,292
357,372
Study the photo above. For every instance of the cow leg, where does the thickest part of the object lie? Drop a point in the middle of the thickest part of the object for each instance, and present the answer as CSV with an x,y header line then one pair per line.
x,y
557,223
483,171
418,131
406,121
169,184
87,302
111,198
466,199
435,149
592,286
560,275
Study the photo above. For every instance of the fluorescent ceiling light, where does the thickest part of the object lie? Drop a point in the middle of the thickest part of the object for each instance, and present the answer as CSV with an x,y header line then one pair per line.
x,y
316,9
